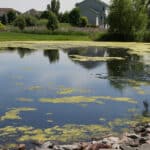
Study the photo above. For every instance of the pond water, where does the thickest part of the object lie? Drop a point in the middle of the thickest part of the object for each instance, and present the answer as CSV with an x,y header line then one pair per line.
x,y
70,94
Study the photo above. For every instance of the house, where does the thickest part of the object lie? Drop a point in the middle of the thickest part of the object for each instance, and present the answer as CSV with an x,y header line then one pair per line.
x,y
33,12
4,11
94,10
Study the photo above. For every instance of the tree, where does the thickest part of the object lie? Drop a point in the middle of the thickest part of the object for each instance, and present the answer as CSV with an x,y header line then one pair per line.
x,y
64,17
52,22
11,16
4,19
127,18
74,17
30,20
83,21
44,15
20,22
54,7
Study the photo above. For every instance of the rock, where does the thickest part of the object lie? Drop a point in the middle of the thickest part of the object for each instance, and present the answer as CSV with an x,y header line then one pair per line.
x,y
142,140
48,145
139,129
133,136
71,147
148,141
21,147
114,139
116,146
145,147
148,130
97,146
125,147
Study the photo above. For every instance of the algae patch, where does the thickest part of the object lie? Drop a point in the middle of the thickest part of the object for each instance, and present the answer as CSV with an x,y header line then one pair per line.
x,y
35,88
13,114
64,91
87,58
23,99
84,99
72,99
66,133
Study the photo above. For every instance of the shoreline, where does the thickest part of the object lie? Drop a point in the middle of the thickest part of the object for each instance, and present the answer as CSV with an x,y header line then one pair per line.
x,y
138,138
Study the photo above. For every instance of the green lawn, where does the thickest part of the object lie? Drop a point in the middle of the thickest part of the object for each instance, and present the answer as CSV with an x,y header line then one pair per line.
x,y
11,36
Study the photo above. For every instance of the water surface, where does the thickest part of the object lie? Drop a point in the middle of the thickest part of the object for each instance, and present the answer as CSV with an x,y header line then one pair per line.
x,y
51,88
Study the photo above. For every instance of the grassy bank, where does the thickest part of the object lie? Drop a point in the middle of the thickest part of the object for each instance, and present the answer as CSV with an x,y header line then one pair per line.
x,y
12,36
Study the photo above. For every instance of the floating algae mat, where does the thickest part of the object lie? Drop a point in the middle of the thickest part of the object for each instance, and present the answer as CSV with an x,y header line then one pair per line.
x,y
72,91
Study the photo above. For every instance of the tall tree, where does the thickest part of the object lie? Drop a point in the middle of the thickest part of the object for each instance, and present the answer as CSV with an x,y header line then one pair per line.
x,y
127,18
54,6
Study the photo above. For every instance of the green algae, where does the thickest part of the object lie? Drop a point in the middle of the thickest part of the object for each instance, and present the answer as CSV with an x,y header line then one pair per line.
x,y
65,91
13,114
132,110
84,99
102,119
87,58
72,99
19,84
23,99
122,122
66,133
35,88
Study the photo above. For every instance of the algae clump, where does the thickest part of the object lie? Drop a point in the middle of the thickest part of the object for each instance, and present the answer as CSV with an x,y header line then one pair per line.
x,y
14,113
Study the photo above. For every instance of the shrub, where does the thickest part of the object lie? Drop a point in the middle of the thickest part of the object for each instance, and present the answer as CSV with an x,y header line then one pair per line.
x,y
2,27
74,17
30,20
20,22
52,22
83,21
42,22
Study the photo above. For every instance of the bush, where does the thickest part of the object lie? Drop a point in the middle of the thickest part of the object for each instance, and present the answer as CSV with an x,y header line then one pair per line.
x,y
42,22
30,20
74,17
2,27
83,21
20,22
52,22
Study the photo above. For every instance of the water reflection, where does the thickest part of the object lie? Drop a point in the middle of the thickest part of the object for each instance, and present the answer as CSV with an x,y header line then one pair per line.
x,y
21,51
53,55
146,112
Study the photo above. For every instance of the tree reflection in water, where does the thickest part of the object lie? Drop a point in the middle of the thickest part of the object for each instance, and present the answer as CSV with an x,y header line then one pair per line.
x,y
53,55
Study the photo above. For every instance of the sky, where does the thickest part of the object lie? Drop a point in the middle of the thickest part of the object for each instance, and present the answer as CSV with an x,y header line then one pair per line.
x,y
24,5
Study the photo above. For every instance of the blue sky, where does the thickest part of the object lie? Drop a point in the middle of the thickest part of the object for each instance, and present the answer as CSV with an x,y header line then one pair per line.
x,y
23,5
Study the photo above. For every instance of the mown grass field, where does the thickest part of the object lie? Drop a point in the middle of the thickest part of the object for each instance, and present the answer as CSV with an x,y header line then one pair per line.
x,y
12,36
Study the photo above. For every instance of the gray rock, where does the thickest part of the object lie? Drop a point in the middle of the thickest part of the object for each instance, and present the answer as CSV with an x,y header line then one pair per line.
x,y
71,147
145,147
116,146
125,147
133,136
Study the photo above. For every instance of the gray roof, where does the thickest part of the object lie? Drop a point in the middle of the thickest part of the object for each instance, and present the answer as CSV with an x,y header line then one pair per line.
x,y
100,1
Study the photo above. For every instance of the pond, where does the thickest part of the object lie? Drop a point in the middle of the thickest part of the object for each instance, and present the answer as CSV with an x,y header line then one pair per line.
x,y
71,94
